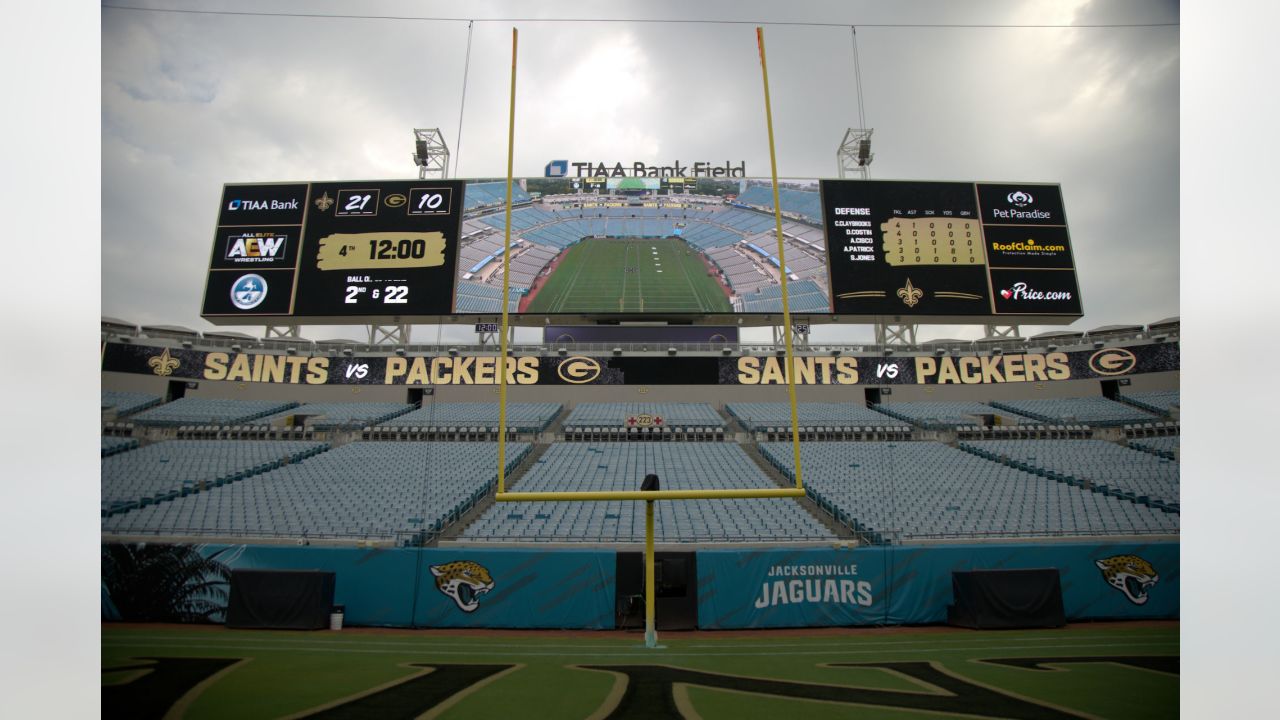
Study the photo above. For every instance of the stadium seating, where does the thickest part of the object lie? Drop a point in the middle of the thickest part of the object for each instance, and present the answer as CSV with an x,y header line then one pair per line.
x,y
616,415
525,417
1104,466
1096,411
127,403
622,466
945,415
759,416
1164,402
173,468
209,411
919,490
1165,447
326,416
363,490
477,298
116,445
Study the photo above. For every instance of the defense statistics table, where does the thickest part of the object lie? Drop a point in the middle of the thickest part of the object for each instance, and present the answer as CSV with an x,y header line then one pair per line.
x,y
947,249
345,250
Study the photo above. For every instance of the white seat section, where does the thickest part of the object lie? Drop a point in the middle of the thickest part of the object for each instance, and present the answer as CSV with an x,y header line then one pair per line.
x,y
611,466
919,490
364,490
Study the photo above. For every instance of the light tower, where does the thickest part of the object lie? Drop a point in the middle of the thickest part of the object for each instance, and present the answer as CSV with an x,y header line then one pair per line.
x,y
430,153
854,155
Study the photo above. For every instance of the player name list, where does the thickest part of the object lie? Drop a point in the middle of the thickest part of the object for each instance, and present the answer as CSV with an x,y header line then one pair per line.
x,y
857,239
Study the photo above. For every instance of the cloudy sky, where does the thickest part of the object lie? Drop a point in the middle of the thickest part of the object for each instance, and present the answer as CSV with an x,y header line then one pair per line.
x,y
191,101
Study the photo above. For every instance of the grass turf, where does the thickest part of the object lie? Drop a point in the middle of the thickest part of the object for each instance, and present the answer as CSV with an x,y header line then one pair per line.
x,y
1128,672
639,275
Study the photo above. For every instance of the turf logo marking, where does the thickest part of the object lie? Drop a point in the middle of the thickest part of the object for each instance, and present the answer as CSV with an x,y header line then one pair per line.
x,y
463,581
660,691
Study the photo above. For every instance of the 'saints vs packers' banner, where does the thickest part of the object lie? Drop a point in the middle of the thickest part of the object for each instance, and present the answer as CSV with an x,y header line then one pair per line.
x,y
582,370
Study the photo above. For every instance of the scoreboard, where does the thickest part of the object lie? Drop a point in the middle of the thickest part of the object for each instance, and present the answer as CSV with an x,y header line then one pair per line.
x,y
392,251
335,250
948,249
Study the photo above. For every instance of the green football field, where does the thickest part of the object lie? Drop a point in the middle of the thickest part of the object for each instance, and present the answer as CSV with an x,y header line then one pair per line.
x,y
650,275
1085,671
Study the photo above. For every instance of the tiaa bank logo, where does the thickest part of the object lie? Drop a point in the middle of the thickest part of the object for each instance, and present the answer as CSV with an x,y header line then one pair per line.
x,y
248,292
557,168
1020,198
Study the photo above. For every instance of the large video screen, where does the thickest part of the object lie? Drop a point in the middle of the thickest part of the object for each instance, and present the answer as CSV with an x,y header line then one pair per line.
x,y
583,249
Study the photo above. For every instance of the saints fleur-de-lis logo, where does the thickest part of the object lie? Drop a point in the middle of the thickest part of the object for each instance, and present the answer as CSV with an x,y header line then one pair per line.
x,y
324,202
910,294
162,364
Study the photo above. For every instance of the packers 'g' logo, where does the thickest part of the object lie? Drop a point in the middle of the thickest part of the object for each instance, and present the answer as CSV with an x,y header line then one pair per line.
x,y
1112,361
578,370
464,581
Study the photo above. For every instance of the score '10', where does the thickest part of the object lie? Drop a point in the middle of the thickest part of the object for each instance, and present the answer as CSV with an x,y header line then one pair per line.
x,y
393,294
430,201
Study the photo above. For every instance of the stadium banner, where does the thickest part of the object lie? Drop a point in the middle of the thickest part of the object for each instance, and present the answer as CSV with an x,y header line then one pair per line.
x,y
556,589
1100,581
631,248
912,585
155,582
411,370
792,587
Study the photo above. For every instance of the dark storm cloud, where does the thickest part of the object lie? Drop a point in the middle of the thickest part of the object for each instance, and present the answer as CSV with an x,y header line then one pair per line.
x,y
191,102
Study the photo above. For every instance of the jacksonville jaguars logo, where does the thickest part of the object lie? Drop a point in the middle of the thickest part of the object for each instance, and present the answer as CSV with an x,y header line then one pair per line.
x,y
464,581
1129,574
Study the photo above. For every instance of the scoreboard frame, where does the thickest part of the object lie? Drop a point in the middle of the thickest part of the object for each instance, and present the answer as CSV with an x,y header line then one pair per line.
x,y
308,244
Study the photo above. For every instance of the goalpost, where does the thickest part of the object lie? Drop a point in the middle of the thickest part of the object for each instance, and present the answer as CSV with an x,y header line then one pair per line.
x,y
648,496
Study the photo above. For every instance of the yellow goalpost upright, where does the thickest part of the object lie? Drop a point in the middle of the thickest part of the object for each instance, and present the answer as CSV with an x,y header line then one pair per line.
x,y
648,496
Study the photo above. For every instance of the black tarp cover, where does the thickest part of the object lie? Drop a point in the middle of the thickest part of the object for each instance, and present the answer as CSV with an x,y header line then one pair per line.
x,y
1006,599
280,599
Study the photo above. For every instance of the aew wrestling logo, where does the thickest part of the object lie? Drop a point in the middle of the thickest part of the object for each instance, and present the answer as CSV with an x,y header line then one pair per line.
x,y
464,581
1129,574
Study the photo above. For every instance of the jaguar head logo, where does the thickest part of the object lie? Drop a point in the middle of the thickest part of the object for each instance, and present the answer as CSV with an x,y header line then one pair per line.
x,y
1129,574
463,581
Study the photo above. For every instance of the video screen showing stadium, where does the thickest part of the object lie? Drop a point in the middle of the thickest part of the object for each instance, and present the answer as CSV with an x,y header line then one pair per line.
x,y
642,245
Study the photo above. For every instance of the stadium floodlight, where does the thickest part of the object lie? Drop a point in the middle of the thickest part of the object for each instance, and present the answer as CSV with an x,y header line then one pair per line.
x,y
430,153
